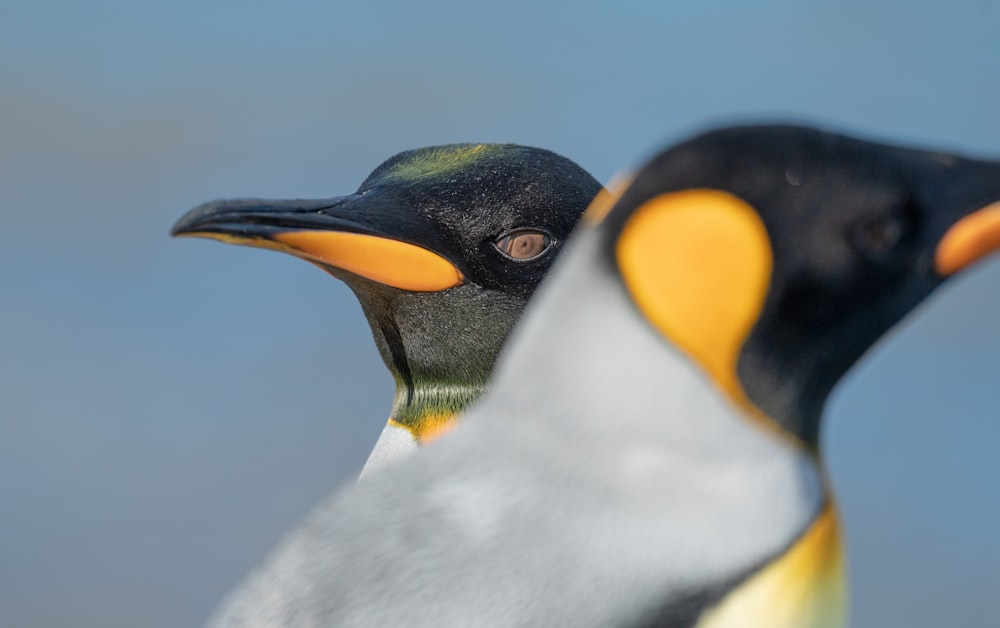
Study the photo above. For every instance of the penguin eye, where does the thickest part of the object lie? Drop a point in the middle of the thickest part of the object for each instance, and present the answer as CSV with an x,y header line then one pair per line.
x,y
523,245
877,239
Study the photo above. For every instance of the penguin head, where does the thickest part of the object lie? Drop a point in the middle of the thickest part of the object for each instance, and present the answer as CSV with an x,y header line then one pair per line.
x,y
775,256
442,246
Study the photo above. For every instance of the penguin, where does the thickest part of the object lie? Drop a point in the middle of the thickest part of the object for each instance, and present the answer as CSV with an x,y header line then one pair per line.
x,y
442,246
647,454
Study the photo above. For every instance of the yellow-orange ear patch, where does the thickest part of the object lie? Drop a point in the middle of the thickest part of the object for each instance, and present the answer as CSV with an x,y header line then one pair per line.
x,y
698,265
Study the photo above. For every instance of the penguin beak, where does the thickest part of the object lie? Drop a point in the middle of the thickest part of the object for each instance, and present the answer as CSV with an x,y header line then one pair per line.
x,y
972,238
361,233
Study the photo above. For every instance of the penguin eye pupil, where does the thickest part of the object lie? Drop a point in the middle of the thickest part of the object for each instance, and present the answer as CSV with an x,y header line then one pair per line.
x,y
523,245
880,237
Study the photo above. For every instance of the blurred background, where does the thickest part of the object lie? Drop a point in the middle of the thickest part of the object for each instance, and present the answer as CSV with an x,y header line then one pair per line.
x,y
168,408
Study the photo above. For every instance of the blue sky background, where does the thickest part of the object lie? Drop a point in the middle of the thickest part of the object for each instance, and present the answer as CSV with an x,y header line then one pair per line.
x,y
169,407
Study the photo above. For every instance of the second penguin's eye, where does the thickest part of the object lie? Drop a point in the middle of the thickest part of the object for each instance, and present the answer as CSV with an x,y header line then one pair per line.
x,y
880,239
523,245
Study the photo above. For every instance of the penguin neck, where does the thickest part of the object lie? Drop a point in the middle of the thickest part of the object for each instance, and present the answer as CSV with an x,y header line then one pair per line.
x,y
791,390
440,348
427,408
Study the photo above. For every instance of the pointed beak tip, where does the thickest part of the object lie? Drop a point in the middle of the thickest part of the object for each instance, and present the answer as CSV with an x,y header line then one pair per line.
x,y
182,227
191,223
179,229
187,226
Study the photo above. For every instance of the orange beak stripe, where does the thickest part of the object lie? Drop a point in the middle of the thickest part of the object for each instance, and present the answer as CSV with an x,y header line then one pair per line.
x,y
390,262
969,240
